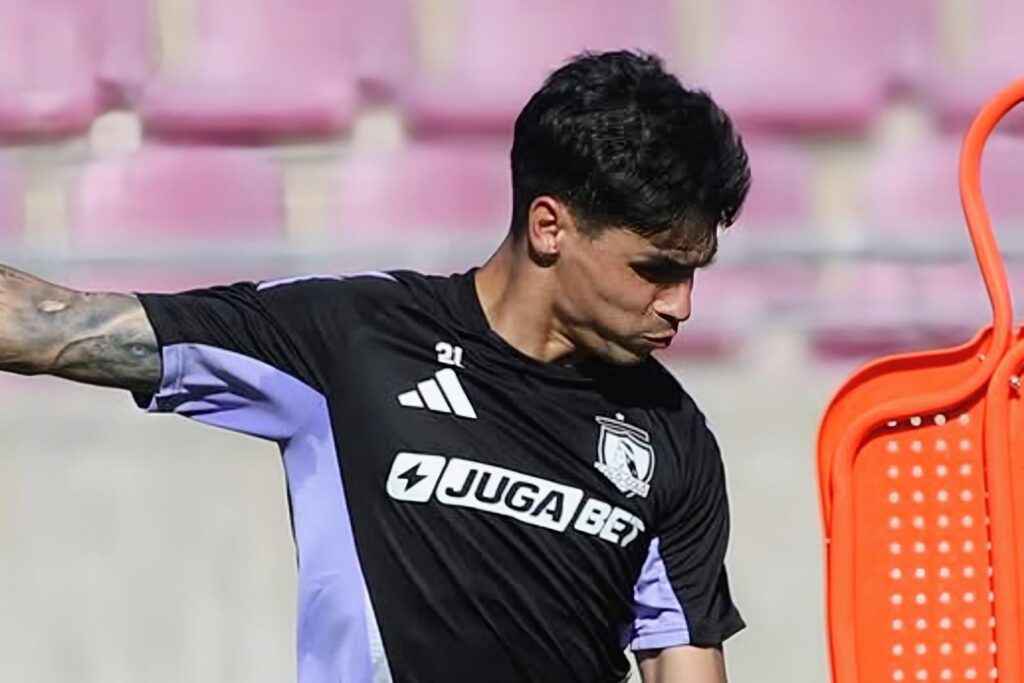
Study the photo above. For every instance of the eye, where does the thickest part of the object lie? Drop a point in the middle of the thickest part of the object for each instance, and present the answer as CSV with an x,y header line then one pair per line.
x,y
664,275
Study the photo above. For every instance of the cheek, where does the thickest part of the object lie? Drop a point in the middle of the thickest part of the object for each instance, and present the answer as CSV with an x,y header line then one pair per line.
x,y
608,293
623,299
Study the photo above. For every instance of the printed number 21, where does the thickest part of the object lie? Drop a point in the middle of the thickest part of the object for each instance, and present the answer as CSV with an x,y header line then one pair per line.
x,y
448,354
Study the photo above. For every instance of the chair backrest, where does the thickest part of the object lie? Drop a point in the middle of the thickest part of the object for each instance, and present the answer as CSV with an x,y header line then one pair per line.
x,y
505,51
49,67
796,64
983,54
248,42
922,573
995,44
903,39
48,43
130,46
514,43
425,188
784,33
170,194
780,201
385,44
911,190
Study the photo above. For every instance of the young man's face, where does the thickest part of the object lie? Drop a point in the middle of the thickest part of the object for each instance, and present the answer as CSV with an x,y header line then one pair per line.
x,y
624,295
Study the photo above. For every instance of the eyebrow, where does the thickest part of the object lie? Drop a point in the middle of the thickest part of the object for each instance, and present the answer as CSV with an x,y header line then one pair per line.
x,y
667,263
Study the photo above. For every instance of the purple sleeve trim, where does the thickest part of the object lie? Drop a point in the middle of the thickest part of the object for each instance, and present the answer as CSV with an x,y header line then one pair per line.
x,y
659,641
659,620
230,390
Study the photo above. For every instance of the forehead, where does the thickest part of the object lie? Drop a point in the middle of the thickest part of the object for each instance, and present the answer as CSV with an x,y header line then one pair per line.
x,y
686,245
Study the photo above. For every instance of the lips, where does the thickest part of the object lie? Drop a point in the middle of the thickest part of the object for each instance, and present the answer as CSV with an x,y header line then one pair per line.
x,y
663,340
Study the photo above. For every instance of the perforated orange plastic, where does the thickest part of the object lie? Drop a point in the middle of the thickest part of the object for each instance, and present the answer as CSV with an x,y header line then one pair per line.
x,y
921,475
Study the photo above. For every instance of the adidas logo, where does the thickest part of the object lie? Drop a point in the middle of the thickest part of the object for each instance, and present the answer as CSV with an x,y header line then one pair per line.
x,y
441,394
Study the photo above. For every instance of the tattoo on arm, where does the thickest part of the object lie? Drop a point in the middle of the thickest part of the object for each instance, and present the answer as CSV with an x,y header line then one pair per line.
x,y
96,338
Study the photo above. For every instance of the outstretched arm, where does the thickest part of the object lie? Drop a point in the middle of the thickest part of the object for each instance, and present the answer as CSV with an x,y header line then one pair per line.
x,y
92,337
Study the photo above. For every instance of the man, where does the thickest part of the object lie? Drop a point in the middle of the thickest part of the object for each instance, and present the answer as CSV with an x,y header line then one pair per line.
x,y
489,476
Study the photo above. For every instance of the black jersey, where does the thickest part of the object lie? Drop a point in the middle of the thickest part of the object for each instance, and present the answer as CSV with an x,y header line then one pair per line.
x,y
461,511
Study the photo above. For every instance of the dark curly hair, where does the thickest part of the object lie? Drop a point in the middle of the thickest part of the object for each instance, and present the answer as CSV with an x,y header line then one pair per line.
x,y
623,144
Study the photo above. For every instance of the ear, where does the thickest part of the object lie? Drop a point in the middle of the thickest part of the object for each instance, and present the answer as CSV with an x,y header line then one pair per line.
x,y
549,222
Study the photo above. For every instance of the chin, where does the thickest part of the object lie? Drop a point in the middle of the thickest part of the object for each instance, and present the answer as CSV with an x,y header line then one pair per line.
x,y
621,355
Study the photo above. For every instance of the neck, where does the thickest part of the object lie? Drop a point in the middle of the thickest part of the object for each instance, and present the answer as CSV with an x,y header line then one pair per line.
x,y
517,296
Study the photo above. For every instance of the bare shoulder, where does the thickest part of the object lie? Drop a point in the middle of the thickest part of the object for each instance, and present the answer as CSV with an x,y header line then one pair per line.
x,y
101,338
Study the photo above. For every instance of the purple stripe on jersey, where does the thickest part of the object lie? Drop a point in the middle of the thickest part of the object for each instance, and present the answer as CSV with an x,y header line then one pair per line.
x,y
659,620
338,638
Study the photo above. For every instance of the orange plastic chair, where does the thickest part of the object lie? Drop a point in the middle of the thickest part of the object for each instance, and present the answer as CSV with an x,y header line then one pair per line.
x,y
918,480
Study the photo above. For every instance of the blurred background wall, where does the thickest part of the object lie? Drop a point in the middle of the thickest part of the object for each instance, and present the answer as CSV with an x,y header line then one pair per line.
x,y
158,145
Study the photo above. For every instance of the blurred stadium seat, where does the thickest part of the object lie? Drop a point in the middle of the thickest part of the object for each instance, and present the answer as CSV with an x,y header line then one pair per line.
x,y
505,50
779,197
912,206
985,56
385,45
261,70
794,65
164,195
912,192
129,47
444,190
49,60
162,202
902,37
912,203
867,310
777,216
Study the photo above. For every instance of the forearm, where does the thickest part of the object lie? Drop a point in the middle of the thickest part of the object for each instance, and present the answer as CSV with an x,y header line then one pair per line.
x,y
99,338
29,310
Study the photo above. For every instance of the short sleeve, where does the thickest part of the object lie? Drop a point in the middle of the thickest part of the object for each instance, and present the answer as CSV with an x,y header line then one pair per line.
x,y
250,356
682,595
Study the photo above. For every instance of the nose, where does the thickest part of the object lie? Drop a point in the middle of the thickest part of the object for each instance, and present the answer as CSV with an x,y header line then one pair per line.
x,y
674,303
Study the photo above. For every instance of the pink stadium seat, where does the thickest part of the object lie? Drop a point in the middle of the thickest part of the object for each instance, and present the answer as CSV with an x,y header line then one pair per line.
x,y
48,67
170,195
385,45
425,189
867,311
958,84
162,201
776,215
791,64
129,46
912,201
901,39
779,197
911,189
505,50
261,69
